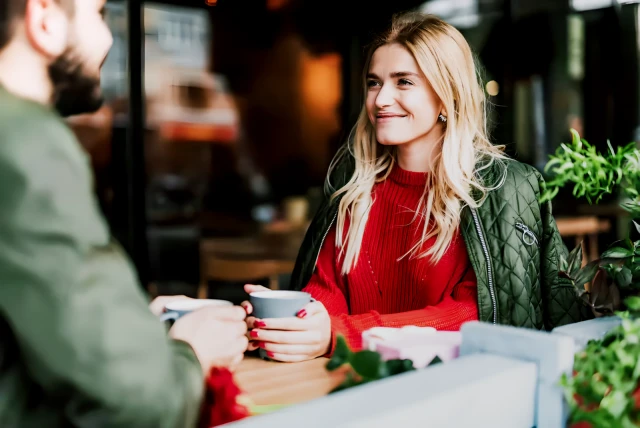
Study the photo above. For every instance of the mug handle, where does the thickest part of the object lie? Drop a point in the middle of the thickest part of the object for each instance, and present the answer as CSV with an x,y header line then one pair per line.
x,y
169,316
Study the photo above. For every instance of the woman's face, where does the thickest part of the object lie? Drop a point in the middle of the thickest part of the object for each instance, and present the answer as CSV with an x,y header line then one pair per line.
x,y
401,104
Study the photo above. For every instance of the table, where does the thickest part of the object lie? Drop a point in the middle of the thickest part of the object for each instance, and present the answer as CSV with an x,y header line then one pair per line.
x,y
268,382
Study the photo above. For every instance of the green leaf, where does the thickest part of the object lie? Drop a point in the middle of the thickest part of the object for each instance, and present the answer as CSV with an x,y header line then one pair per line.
x,y
636,369
436,360
625,358
366,364
624,277
616,403
587,273
575,260
617,253
627,423
341,354
632,303
394,367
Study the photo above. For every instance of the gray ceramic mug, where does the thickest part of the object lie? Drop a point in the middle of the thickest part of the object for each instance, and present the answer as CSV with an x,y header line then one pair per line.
x,y
278,304
179,308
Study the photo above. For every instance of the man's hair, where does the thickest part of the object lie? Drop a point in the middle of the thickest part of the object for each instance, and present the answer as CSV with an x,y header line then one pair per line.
x,y
11,11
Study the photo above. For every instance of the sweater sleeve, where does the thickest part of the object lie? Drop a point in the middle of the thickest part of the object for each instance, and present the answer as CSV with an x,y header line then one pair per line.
x,y
328,286
457,307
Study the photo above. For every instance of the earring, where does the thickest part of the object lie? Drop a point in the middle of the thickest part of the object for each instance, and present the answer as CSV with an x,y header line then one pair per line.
x,y
442,118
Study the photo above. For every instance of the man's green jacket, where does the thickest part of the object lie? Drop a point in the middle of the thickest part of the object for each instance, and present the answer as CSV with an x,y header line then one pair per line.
x,y
78,344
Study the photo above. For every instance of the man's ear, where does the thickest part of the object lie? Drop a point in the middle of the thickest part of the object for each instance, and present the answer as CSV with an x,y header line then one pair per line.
x,y
47,27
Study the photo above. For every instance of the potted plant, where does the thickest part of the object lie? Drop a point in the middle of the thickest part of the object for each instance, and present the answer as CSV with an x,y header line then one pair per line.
x,y
616,274
603,391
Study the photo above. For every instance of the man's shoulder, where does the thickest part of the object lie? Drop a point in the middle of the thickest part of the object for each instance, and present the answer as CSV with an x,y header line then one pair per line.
x,y
33,137
19,115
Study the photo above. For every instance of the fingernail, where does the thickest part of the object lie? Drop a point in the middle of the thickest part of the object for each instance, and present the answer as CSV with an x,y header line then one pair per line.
x,y
302,313
259,324
269,354
253,333
260,344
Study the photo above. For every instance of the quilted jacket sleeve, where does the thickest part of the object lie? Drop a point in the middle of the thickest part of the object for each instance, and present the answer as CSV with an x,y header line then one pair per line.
x,y
559,299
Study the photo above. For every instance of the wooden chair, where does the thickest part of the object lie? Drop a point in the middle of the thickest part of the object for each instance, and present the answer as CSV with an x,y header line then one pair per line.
x,y
226,266
581,228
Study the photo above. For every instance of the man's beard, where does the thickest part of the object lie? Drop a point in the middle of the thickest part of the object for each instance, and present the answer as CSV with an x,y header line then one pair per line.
x,y
74,92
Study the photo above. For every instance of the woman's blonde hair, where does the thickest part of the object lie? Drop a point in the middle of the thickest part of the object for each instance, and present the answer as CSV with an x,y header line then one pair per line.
x,y
447,62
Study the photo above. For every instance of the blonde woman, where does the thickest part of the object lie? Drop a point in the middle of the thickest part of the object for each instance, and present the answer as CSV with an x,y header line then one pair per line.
x,y
420,151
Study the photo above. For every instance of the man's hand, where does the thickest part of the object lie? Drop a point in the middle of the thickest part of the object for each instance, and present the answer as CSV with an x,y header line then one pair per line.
x,y
216,334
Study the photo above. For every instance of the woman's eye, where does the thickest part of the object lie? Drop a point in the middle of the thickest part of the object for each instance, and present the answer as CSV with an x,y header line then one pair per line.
x,y
371,83
404,82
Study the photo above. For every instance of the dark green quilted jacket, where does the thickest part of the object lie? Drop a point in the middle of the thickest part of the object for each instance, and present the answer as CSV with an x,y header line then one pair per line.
x,y
512,241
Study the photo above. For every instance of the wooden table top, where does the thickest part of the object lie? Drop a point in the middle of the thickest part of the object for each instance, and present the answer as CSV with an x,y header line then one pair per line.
x,y
272,383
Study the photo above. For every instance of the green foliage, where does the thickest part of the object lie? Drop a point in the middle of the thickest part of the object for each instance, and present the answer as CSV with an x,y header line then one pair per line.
x,y
594,174
365,366
604,387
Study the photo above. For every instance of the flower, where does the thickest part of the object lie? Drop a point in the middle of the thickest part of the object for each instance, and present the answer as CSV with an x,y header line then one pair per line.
x,y
581,424
223,400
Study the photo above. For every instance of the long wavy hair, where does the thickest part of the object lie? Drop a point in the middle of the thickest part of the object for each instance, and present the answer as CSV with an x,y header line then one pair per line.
x,y
455,181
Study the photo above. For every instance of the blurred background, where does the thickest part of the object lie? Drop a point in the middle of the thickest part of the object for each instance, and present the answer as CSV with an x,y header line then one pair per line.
x,y
222,117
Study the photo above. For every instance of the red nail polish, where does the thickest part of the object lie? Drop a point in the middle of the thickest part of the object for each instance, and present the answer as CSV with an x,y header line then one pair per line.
x,y
302,313
259,324
270,354
261,345
253,333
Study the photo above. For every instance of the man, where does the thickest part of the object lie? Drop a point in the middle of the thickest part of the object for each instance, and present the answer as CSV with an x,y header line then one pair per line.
x,y
78,344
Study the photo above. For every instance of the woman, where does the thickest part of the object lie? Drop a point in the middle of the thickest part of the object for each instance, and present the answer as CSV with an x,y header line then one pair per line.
x,y
420,150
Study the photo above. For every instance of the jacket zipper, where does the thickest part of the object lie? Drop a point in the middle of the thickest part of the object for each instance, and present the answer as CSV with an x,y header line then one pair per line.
x,y
326,232
489,267
528,237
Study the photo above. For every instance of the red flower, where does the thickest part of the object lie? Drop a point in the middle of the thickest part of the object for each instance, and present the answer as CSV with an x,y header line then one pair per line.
x,y
221,404
581,424
636,398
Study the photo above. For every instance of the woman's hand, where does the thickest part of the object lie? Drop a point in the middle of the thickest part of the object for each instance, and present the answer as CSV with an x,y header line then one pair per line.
x,y
157,306
293,339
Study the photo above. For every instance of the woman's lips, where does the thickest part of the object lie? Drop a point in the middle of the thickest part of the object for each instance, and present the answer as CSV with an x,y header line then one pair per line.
x,y
384,118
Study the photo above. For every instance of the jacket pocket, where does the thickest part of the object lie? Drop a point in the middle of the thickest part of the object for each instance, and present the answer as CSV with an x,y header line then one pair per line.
x,y
527,236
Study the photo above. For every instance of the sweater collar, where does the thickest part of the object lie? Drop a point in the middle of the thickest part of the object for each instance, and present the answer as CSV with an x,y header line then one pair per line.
x,y
407,178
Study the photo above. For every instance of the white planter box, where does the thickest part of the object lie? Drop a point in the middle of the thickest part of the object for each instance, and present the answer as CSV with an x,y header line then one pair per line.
x,y
505,377
583,332
474,391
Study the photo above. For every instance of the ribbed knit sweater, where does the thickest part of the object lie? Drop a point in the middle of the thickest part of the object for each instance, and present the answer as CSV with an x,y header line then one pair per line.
x,y
385,288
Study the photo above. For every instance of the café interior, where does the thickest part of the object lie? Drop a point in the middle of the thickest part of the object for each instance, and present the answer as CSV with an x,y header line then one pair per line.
x,y
222,117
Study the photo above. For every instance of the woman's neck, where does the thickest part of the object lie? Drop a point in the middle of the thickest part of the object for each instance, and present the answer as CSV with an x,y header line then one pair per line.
x,y
417,155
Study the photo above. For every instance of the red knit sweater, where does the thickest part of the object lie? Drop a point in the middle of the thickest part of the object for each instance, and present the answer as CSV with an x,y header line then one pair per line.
x,y
384,291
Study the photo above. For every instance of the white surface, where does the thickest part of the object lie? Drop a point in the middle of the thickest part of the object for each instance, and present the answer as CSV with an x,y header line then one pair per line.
x,y
582,5
193,304
376,335
475,391
552,354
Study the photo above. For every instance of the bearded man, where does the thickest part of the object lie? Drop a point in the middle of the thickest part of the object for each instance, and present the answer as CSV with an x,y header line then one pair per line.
x,y
78,343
